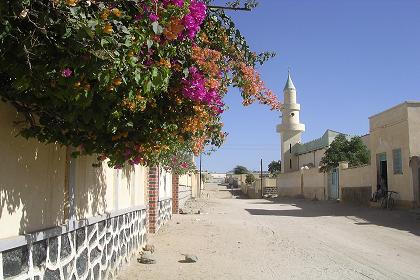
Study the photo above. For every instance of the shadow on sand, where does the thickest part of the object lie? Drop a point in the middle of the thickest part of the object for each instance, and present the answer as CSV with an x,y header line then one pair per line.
x,y
406,220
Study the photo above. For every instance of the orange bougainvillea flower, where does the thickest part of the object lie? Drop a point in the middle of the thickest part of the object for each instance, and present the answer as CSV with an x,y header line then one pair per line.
x,y
86,87
76,85
174,28
165,62
117,81
71,3
116,12
105,14
107,28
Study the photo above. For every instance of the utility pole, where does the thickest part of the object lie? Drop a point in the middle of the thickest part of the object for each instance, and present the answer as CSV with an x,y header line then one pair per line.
x,y
261,175
200,176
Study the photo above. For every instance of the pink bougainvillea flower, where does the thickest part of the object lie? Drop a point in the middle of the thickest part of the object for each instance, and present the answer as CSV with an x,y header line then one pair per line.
x,y
178,3
194,89
66,73
137,17
195,18
153,17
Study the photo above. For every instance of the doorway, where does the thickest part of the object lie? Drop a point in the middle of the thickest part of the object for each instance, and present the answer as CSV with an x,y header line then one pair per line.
x,y
382,171
333,178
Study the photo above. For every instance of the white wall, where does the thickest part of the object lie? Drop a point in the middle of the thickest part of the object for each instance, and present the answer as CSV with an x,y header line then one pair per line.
x,y
165,184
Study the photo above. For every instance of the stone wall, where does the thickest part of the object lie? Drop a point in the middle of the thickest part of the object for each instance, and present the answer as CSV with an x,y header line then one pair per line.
x,y
184,194
358,195
165,212
270,190
95,250
355,184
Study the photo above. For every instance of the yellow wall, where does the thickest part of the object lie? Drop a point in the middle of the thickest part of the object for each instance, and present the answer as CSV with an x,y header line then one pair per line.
x,y
414,129
314,183
93,189
355,177
388,131
31,180
33,189
289,180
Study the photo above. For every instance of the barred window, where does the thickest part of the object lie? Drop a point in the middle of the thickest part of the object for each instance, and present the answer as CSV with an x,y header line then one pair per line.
x,y
397,161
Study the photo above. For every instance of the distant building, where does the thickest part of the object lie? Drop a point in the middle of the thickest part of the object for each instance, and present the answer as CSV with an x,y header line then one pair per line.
x,y
394,144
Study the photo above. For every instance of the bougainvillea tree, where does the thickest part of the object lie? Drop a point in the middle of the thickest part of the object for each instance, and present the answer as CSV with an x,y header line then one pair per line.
x,y
134,81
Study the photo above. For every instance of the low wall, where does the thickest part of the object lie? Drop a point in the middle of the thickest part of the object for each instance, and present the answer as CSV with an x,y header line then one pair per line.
x,y
165,212
311,184
95,248
358,195
355,185
184,194
185,187
289,184
314,184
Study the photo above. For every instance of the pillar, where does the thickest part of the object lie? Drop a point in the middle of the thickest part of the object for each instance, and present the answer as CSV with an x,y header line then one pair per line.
x,y
153,194
175,192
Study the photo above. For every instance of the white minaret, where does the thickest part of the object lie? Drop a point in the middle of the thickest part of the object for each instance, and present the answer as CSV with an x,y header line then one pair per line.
x,y
290,128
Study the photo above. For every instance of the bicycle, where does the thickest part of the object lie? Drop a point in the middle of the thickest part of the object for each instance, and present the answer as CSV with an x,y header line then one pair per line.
x,y
388,202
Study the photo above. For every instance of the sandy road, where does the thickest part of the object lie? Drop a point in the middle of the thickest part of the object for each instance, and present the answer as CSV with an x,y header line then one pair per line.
x,y
286,239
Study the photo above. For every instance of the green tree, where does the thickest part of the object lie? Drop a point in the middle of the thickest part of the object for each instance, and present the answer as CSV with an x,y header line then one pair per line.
x,y
341,149
358,152
274,167
250,178
239,169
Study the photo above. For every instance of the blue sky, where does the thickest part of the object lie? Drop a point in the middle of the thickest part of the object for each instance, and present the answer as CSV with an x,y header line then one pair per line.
x,y
349,59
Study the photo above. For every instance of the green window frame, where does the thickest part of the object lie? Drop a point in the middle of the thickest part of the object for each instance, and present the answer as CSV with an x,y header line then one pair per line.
x,y
397,161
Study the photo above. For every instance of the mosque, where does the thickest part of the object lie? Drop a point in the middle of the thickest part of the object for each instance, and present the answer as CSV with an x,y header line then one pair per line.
x,y
393,141
296,155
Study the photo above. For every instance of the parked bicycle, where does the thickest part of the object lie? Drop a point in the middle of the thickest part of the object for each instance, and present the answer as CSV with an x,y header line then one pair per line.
x,y
388,201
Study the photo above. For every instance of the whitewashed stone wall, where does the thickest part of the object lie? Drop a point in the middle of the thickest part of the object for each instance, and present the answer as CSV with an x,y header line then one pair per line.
x,y
184,194
95,251
165,212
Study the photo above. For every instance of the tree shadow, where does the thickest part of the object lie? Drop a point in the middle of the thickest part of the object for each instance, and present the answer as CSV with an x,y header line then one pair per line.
x,y
91,187
400,219
33,191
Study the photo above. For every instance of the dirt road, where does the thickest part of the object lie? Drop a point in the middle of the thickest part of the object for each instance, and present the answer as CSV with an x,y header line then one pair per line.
x,y
287,239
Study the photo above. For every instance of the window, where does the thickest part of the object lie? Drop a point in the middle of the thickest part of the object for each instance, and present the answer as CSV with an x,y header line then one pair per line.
x,y
397,161
290,148
290,163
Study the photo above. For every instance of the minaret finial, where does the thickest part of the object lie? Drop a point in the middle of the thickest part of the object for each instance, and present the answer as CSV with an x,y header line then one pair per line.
x,y
289,83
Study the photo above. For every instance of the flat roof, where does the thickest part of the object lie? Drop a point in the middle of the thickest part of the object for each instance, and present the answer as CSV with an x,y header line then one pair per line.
x,y
408,103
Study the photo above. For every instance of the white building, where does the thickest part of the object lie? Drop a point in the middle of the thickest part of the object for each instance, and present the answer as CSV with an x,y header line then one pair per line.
x,y
290,128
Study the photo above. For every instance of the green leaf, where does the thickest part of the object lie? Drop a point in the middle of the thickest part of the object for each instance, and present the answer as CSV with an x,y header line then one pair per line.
x,y
149,43
157,28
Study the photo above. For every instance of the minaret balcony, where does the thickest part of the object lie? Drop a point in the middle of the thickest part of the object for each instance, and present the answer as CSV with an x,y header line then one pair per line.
x,y
299,127
293,106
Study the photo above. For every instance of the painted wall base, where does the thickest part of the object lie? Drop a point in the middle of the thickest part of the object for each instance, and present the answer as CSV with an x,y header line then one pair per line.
x,y
91,252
